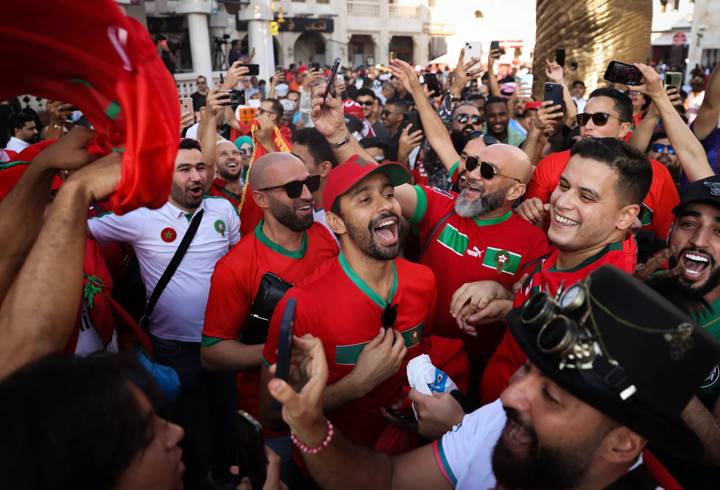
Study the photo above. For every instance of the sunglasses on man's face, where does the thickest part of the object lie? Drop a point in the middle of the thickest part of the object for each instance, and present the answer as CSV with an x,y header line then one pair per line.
x,y
487,169
660,148
598,119
294,188
464,118
366,103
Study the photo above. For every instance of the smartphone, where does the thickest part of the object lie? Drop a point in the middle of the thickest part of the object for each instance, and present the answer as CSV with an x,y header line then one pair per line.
x,y
282,367
473,49
315,66
527,81
554,92
618,72
330,87
560,56
237,97
673,79
413,118
496,45
432,83
251,458
186,105
254,69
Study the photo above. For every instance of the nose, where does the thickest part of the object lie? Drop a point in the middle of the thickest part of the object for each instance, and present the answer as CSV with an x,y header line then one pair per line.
x,y
306,195
699,239
175,434
518,394
563,200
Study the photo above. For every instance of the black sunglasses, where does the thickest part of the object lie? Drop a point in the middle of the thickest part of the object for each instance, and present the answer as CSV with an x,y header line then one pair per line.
x,y
294,188
367,103
598,119
487,169
488,139
389,316
463,118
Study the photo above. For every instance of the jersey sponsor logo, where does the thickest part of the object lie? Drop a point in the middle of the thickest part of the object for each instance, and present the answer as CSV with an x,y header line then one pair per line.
x,y
502,260
712,377
474,252
453,240
220,227
442,192
168,235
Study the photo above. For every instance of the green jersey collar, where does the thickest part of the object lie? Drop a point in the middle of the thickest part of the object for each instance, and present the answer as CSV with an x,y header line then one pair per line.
x,y
362,285
493,221
293,254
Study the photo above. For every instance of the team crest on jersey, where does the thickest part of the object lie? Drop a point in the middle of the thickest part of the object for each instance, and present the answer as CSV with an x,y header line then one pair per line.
x,y
712,377
713,188
502,260
220,227
168,235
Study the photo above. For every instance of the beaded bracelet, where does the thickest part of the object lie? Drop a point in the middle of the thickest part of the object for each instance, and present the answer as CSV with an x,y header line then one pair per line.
x,y
317,449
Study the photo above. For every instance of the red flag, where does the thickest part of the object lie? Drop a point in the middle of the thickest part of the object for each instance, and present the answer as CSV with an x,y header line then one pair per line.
x,y
91,55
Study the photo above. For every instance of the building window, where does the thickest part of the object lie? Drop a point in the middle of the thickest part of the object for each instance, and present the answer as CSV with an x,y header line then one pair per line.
x,y
323,1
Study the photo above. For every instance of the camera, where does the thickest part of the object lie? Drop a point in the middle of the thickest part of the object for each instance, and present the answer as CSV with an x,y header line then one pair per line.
x,y
221,40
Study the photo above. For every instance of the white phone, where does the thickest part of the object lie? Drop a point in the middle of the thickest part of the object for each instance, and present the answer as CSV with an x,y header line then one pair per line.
x,y
473,49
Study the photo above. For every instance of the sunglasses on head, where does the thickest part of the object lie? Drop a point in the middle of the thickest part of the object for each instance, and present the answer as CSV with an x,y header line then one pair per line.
x,y
487,169
464,118
598,119
294,188
660,148
488,139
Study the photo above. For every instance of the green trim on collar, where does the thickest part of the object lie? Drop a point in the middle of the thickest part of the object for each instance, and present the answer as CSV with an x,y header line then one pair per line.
x,y
493,221
293,254
453,169
610,247
229,193
188,216
112,110
420,207
13,164
362,285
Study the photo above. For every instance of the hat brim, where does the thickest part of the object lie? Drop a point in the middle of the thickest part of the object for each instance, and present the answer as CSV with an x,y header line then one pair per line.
x,y
397,173
670,439
706,200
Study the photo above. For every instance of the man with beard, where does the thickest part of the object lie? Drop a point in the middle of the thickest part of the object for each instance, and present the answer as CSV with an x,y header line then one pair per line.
x,y
177,320
608,114
371,309
286,243
662,150
465,120
229,169
497,116
393,118
578,414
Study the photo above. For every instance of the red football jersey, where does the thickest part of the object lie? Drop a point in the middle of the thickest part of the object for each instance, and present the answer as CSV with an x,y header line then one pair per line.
x,y
509,357
235,282
340,308
219,189
660,200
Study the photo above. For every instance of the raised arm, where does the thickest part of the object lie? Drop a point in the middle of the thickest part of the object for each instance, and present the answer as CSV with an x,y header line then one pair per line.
x,y
690,152
492,79
709,113
39,311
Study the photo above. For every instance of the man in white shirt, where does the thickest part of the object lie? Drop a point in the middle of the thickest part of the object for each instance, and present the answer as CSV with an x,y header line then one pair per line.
x,y
177,319
24,132
578,95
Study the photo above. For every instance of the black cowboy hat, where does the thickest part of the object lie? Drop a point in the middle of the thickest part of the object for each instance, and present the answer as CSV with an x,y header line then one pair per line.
x,y
619,346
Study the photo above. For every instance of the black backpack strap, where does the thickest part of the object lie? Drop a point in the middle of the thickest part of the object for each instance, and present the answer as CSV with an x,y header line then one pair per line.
x,y
434,230
172,267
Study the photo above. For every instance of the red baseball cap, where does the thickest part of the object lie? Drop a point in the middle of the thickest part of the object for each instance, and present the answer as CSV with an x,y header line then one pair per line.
x,y
533,104
346,175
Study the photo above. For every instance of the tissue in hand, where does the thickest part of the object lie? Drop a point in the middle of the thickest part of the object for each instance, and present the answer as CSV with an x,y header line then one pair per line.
x,y
426,378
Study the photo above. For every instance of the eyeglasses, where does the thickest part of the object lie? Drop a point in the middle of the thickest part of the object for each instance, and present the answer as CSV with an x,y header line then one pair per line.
x,y
389,316
487,169
464,118
264,111
366,103
389,113
660,148
598,119
294,188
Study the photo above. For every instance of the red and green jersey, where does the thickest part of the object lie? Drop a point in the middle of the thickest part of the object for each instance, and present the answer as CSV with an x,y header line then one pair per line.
x,y
710,387
345,313
235,282
547,277
660,200
466,250
219,189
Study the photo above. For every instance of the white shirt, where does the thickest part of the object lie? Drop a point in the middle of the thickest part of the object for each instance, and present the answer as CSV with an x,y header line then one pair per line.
x,y
580,103
16,144
155,235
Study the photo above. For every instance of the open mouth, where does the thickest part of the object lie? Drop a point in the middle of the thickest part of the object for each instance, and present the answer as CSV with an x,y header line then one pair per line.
x,y
196,191
473,190
231,164
516,438
561,220
386,232
694,264
304,208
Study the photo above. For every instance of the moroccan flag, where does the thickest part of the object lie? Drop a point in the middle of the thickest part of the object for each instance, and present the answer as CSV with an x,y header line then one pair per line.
x,y
501,260
90,54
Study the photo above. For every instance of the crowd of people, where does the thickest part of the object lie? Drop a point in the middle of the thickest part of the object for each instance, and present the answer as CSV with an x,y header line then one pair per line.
x,y
557,263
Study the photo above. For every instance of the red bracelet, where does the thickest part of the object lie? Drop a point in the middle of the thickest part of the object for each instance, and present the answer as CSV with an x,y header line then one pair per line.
x,y
317,449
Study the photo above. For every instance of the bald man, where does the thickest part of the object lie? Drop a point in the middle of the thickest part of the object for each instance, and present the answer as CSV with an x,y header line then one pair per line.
x,y
228,181
473,236
287,244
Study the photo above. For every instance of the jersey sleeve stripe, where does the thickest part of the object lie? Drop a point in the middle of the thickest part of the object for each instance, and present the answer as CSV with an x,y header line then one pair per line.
x,y
453,170
266,362
208,341
443,464
420,207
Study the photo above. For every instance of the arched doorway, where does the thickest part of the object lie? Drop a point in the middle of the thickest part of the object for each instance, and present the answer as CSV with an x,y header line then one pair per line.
x,y
360,48
402,46
310,48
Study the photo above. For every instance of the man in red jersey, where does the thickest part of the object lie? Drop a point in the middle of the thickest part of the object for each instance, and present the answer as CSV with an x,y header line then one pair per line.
x,y
608,114
591,212
366,304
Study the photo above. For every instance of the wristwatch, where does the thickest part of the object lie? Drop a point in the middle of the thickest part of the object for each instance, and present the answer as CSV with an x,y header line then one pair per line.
x,y
342,142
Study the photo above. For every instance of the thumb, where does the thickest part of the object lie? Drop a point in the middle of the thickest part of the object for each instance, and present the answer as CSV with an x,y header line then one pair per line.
x,y
417,397
546,206
282,392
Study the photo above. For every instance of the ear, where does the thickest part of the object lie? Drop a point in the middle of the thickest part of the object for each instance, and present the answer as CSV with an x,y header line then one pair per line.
x,y
260,199
515,192
335,223
621,446
325,168
627,216
624,130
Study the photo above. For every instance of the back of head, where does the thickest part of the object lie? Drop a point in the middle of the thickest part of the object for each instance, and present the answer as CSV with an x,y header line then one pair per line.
x,y
374,142
84,407
622,103
399,103
632,166
317,145
18,121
